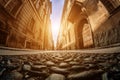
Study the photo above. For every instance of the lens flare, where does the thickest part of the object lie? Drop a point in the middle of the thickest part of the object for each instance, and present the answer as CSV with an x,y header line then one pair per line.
x,y
55,31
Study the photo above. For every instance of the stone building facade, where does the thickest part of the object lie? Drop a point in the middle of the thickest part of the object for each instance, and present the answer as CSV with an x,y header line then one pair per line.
x,y
48,38
89,23
22,23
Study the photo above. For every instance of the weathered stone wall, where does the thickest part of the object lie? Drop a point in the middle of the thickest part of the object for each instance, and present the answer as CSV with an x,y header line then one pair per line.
x,y
109,32
26,28
103,30
105,27
98,17
20,28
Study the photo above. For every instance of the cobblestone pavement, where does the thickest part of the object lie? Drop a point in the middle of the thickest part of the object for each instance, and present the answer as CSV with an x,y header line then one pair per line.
x,y
61,66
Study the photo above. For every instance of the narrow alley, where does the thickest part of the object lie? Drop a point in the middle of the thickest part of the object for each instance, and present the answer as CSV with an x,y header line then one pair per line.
x,y
59,39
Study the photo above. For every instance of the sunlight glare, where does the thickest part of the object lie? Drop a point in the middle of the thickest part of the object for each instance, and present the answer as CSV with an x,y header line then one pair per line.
x,y
57,8
55,31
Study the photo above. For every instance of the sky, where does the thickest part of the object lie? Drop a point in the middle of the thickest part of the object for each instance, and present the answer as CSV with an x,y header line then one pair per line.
x,y
57,8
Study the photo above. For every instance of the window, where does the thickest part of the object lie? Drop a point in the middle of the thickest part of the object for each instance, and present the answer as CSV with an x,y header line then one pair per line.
x,y
111,5
11,6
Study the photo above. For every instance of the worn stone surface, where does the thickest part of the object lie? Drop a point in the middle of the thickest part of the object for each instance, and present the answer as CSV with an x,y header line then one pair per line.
x,y
64,65
77,68
56,77
86,75
73,63
30,79
13,76
69,67
50,63
38,67
26,67
59,70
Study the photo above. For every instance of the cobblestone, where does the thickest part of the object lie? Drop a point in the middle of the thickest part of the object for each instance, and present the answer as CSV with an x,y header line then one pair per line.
x,y
65,66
